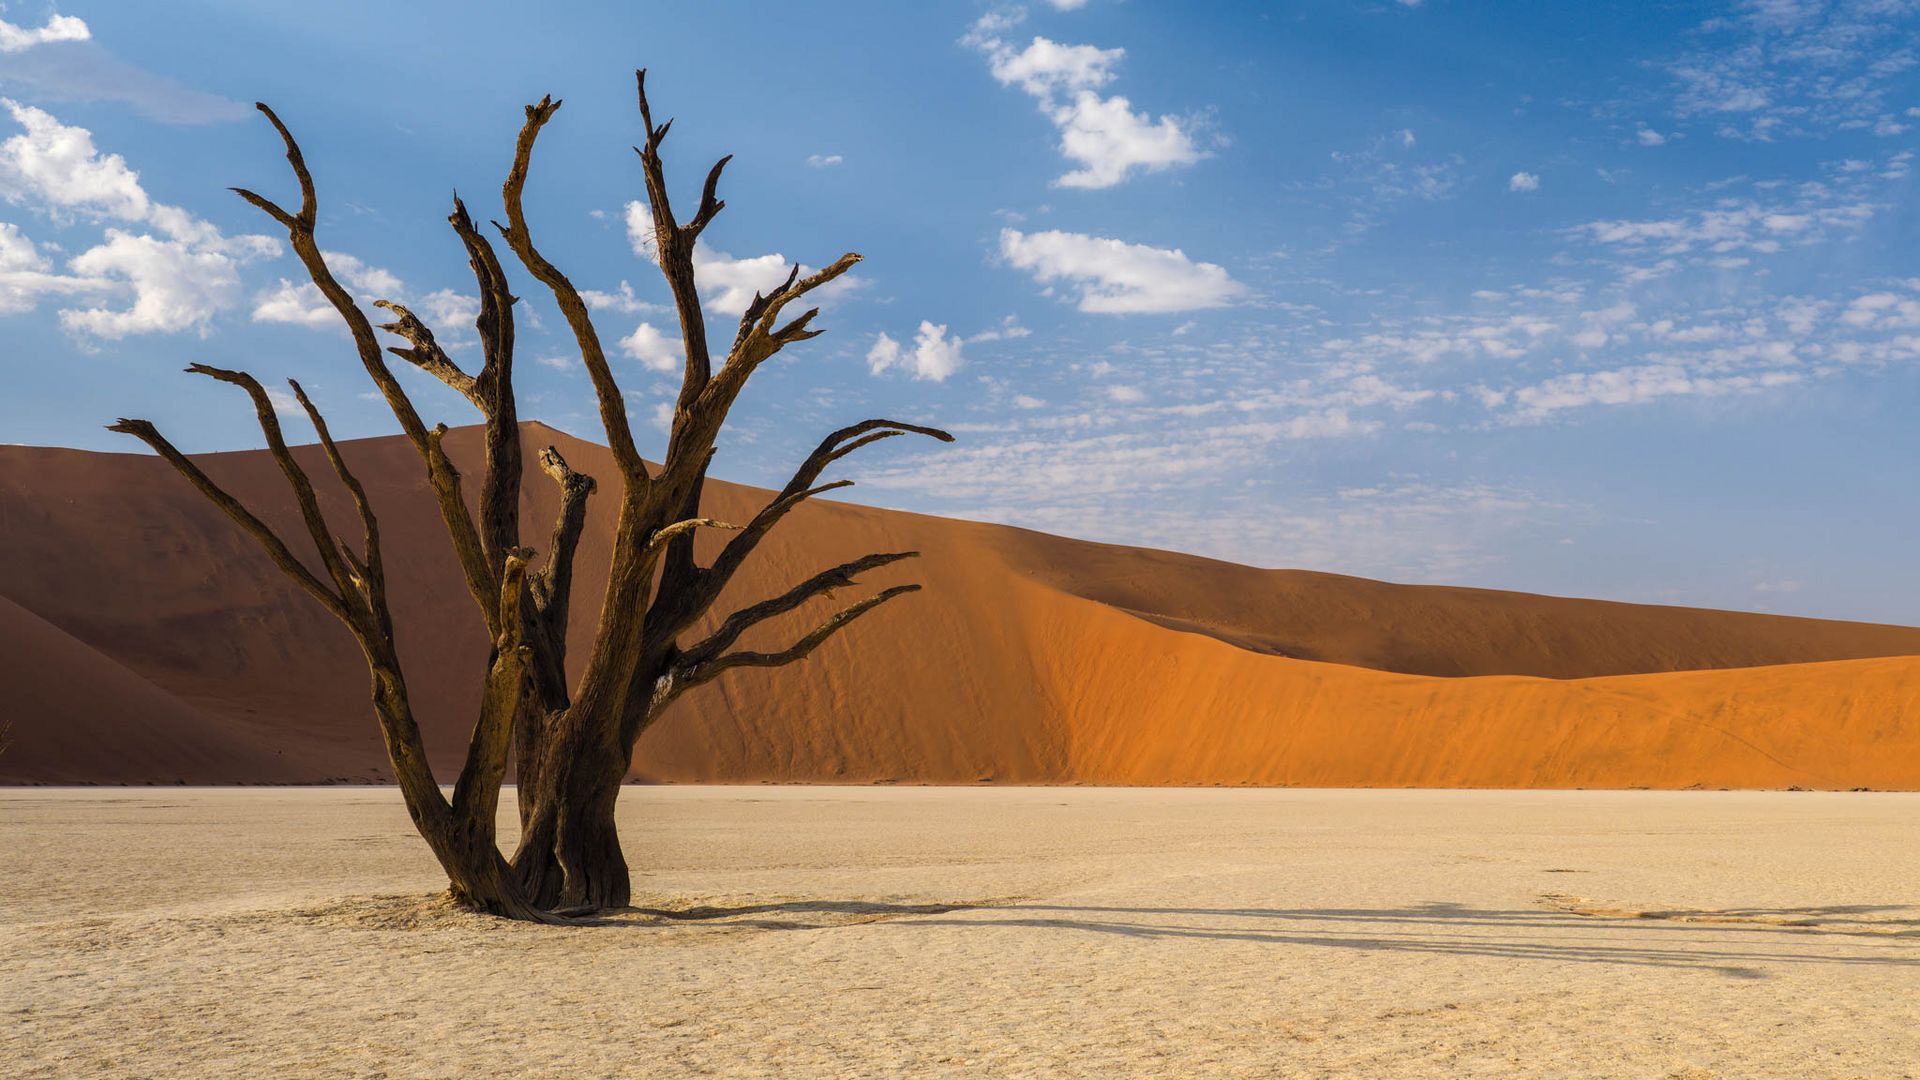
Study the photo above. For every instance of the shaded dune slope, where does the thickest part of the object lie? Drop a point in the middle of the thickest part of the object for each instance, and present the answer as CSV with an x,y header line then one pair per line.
x,y
145,640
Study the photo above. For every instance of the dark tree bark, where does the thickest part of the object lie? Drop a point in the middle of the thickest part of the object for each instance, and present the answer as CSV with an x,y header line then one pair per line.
x,y
572,740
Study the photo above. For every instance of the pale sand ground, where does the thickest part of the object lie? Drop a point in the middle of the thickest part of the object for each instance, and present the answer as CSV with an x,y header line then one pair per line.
x,y
1180,933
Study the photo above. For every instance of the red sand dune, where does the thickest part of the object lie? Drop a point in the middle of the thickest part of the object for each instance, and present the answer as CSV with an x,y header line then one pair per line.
x,y
143,639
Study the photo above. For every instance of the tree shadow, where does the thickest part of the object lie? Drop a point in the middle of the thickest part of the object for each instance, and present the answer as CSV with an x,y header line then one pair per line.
x,y
1731,942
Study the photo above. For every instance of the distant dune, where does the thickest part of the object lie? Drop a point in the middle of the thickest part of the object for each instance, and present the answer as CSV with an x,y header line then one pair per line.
x,y
143,639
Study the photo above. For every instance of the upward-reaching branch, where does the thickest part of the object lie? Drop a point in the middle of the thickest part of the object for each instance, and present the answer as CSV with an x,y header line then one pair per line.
x,y
613,408
674,246
317,529
500,478
482,580
371,565
269,541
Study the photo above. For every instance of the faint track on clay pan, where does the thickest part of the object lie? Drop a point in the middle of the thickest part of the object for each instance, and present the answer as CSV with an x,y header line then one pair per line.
x,y
1833,919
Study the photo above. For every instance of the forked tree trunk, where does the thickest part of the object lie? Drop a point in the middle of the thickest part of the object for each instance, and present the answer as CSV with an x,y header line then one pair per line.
x,y
569,853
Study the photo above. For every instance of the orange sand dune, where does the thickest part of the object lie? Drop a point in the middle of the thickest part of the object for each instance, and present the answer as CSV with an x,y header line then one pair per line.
x,y
145,640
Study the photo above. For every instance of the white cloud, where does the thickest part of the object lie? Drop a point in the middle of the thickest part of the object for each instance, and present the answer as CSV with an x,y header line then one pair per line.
x,y
1779,68
14,39
1649,137
1046,66
1110,140
298,303
59,167
824,161
621,300
1883,309
934,355
26,275
1114,277
177,283
1636,385
1009,329
1523,181
1126,395
1067,5
448,311
655,350
302,303
1103,135
175,286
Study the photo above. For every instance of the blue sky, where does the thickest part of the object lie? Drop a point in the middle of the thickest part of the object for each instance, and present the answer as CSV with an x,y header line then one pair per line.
x,y
1608,301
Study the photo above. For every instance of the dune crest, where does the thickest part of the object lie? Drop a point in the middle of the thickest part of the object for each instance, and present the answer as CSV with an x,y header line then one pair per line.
x,y
145,640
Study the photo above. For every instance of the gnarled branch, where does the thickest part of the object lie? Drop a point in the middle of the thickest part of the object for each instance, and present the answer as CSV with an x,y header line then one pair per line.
x,y
425,353
476,795
820,584
370,567
801,488
482,581
683,677
674,246
613,408
310,512
262,534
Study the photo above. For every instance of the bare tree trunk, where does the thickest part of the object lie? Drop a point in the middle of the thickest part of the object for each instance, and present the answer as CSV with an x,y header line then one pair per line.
x,y
569,853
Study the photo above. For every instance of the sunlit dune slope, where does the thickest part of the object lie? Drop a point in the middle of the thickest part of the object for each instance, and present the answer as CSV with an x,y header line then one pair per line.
x,y
144,639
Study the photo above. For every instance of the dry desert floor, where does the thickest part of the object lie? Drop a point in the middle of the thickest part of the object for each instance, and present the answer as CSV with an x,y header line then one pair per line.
x,y
928,932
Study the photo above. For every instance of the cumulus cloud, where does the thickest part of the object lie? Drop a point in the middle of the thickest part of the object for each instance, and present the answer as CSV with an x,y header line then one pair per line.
x,y
176,281
1523,181
1113,277
655,350
1103,135
934,355
302,303
16,39
26,274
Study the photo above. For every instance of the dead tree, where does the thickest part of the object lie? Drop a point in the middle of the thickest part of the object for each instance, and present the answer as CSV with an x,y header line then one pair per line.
x,y
571,739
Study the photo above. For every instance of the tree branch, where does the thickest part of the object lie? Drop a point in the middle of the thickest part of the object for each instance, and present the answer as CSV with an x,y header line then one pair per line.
x,y
482,581
310,512
268,540
553,582
799,489
500,481
674,246
681,678
476,795
426,354
613,408
822,583
371,566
